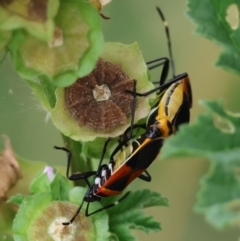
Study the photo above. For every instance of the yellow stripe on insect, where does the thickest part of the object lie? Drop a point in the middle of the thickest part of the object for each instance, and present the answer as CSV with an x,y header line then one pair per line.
x,y
171,102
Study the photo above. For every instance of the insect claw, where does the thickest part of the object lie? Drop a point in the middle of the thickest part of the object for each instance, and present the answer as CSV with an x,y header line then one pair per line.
x,y
58,147
66,223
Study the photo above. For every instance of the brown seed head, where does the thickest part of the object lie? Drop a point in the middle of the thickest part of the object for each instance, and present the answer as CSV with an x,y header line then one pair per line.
x,y
10,171
37,10
100,100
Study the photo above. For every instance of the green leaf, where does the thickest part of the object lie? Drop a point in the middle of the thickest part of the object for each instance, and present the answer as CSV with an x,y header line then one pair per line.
x,y
128,214
215,136
219,21
220,128
219,196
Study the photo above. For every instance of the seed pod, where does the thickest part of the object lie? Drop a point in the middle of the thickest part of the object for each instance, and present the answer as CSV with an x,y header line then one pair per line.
x,y
122,63
52,217
100,100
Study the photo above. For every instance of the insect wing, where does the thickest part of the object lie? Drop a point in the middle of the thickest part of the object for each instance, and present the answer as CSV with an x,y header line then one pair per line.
x,y
154,111
183,113
188,90
137,163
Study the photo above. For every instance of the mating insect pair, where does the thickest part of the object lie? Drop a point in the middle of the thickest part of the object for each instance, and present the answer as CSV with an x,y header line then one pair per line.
x,y
171,109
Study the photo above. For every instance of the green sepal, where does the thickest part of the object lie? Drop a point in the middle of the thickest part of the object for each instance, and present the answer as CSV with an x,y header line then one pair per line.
x,y
49,90
27,15
38,90
75,57
60,187
41,183
76,194
30,209
16,199
94,148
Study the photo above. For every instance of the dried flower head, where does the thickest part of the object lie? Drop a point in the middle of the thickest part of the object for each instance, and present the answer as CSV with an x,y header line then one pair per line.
x,y
34,16
100,100
44,211
10,171
98,105
57,46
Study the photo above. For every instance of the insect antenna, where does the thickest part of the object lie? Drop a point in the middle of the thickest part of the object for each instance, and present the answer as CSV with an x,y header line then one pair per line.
x,y
168,40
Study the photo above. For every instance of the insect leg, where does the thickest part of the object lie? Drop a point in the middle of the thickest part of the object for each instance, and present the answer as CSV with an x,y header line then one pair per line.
x,y
167,84
128,137
128,133
108,206
160,61
75,215
75,176
146,177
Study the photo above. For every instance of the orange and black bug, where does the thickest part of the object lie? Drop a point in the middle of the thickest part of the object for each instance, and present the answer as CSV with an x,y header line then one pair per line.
x,y
170,109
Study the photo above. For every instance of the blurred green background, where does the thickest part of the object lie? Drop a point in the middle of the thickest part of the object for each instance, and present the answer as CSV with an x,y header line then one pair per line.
x,y
33,135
